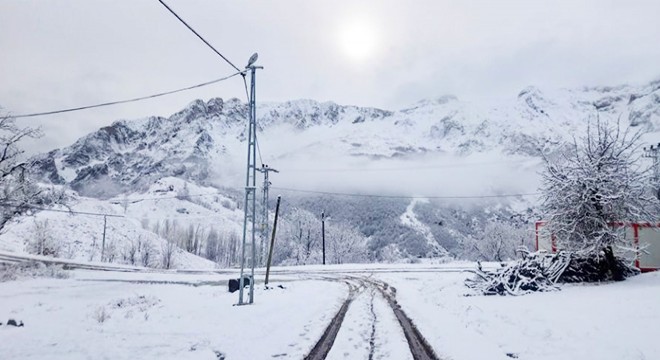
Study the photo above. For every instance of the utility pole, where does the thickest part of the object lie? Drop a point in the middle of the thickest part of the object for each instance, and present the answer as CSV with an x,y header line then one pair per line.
x,y
323,233
272,240
653,152
250,185
105,223
264,207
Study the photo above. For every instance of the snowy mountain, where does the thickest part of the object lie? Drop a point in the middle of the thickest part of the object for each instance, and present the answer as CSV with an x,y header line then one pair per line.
x,y
202,147
195,142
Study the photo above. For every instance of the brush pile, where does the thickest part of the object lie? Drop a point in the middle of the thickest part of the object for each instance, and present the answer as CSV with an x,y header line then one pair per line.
x,y
540,271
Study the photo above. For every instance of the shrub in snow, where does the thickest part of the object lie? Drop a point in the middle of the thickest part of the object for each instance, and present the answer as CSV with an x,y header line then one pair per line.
x,y
41,242
140,302
9,272
101,314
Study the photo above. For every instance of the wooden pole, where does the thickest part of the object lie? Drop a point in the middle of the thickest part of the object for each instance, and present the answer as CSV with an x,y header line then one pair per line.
x,y
105,222
323,233
272,240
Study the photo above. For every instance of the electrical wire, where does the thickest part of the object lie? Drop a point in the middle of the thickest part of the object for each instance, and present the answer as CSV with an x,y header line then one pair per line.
x,y
247,94
128,100
404,197
256,141
34,207
166,197
342,194
406,167
200,36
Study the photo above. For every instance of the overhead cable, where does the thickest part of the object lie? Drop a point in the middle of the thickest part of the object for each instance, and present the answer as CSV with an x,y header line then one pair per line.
x,y
128,100
421,167
35,207
402,196
198,35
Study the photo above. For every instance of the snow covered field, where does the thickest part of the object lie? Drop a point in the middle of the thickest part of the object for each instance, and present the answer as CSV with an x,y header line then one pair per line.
x,y
108,315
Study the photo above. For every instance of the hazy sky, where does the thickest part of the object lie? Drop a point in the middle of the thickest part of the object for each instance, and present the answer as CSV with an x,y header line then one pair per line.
x,y
388,54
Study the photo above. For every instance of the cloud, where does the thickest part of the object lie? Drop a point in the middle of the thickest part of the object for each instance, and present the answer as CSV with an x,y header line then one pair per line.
x,y
479,49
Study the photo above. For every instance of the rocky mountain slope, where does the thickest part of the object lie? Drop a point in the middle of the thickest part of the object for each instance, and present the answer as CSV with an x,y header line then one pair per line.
x,y
195,142
203,146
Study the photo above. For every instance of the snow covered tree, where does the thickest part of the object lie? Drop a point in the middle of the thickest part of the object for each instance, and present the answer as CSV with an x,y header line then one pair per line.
x,y
499,241
595,183
300,236
41,241
345,244
212,248
17,192
168,249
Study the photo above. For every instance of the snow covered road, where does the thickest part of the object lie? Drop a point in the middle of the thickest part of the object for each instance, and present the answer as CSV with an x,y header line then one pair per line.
x,y
169,315
90,317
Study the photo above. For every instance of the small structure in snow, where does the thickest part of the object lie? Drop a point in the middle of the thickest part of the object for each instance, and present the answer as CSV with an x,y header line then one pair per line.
x,y
645,238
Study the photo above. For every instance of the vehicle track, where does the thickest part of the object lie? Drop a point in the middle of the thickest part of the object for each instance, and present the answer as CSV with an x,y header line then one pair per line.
x,y
323,346
419,347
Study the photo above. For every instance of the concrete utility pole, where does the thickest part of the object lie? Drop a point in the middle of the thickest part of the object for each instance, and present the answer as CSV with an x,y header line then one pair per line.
x,y
323,233
653,152
264,207
250,186
272,240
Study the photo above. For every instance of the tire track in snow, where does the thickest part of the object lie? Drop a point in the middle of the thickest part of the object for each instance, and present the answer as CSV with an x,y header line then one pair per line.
x,y
419,347
417,344
372,338
323,346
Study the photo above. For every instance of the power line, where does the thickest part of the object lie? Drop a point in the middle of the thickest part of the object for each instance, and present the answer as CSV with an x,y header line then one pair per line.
x,y
357,169
344,194
34,207
256,140
166,197
128,100
405,197
199,36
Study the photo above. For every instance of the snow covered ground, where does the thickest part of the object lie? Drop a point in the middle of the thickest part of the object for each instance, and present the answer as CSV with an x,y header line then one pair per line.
x,y
609,321
175,315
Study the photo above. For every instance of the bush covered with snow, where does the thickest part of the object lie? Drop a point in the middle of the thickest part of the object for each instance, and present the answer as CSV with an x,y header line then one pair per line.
x,y
9,272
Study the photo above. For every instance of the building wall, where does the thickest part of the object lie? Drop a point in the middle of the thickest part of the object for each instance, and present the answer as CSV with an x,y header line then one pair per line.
x,y
646,237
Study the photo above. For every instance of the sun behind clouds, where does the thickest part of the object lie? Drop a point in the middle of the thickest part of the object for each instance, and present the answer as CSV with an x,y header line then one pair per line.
x,y
358,38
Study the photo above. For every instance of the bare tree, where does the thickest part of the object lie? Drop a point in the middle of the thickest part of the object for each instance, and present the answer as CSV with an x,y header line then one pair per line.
x,y
346,244
17,193
499,241
597,183
212,249
147,252
168,249
130,252
232,253
42,243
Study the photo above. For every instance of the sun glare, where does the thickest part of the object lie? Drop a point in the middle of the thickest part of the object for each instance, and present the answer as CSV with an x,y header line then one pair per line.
x,y
358,39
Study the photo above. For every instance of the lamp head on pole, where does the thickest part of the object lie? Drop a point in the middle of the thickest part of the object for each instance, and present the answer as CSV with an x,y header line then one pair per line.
x,y
252,60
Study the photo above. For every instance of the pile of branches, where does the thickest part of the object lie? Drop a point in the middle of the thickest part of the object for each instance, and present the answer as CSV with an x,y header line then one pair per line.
x,y
540,271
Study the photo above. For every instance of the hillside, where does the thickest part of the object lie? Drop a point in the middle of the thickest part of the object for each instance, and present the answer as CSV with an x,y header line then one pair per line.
x,y
188,168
